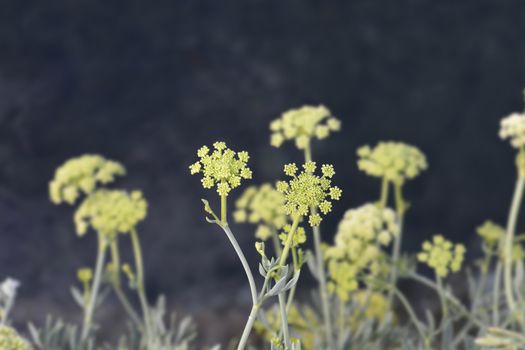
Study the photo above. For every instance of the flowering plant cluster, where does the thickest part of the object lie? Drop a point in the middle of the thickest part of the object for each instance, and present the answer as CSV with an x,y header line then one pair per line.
x,y
357,301
303,124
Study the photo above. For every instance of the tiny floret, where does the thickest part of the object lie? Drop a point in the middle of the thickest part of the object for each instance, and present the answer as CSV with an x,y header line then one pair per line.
x,y
395,161
306,192
442,255
490,232
222,167
82,175
110,212
303,124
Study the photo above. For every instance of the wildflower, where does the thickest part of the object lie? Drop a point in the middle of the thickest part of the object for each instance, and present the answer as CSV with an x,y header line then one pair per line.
x,y
110,212
299,236
261,205
302,125
306,192
81,175
513,129
395,161
10,340
360,234
8,288
442,256
490,232
222,167
85,275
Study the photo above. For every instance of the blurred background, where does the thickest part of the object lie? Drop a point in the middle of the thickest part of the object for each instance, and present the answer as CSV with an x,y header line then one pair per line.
x,y
148,82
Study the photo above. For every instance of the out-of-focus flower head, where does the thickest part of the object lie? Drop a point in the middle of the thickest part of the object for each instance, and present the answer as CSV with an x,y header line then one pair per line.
x,y
343,278
356,249
11,340
303,124
261,205
81,175
110,212
306,191
512,128
490,232
372,305
395,161
442,255
299,236
8,289
221,167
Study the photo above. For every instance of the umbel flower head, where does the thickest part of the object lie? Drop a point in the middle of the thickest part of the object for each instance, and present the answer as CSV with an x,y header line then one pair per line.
x,y
490,232
395,161
360,234
302,124
442,256
261,205
110,212
307,192
10,340
221,167
513,129
81,175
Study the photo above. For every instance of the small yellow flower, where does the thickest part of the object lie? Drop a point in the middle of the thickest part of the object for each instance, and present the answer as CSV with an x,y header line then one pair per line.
x,y
263,232
395,161
307,191
110,212
11,340
81,175
299,236
222,168
85,275
442,256
490,232
302,125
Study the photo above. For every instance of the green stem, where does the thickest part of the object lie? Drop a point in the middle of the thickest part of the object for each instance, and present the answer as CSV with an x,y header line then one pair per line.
x,y
284,321
383,199
276,242
509,241
244,262
224,206
396,252
411,314
139,266
90,307
248,327
117,286
291,295
496,294
289,241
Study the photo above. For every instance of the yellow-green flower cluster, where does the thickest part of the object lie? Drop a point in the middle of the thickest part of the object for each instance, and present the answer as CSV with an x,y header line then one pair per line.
x,y
81,175
110,212
395,161
374,305
442,255
513,129
357,248
490,232
306,192
221,167
299,236
302,124
10,340
261,205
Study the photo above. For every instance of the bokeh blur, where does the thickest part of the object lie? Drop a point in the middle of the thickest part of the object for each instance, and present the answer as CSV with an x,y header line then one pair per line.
x,y
148,82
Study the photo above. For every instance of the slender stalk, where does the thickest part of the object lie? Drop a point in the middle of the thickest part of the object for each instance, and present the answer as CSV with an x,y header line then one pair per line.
x,y
509,241
496,294
276,242
244,262
224,209
289,240
248,328
321,275
117,286
396,252
383,198
139,266
284,320
411,314
90,307
291,295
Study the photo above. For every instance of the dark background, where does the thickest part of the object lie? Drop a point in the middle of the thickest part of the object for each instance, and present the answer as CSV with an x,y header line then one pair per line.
x,y
148,82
